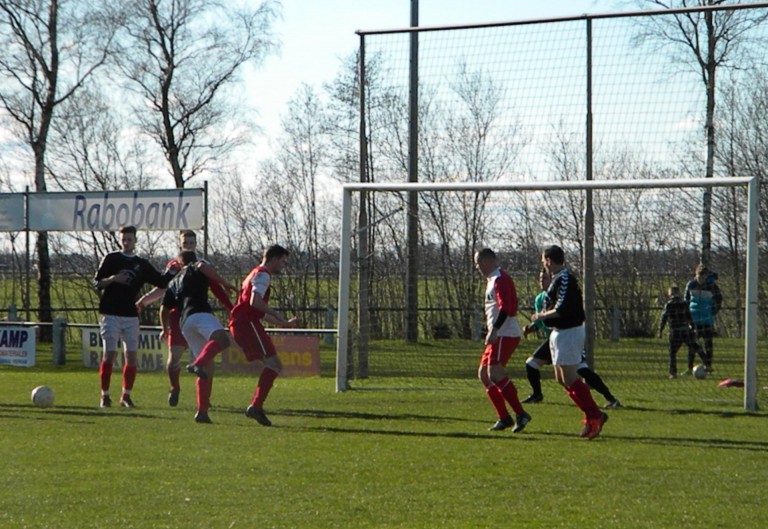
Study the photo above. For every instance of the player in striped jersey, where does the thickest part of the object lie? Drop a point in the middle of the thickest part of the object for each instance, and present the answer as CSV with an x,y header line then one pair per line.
x,y
542,355
565,316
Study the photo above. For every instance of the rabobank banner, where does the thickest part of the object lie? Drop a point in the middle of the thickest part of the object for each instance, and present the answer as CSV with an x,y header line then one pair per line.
x,y
11,211
172,209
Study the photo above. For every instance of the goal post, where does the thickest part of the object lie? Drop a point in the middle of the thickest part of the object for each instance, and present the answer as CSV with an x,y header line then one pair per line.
x,y
750,306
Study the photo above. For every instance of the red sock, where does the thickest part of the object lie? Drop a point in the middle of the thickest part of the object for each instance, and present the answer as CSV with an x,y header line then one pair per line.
x,y
208,353
580,394
266,379
129,376
105,374
497,399
509,391
173,377
204,389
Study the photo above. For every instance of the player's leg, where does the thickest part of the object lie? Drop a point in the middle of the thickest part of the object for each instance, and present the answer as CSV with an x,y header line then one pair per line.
x,y
177,344
499,378
204,332
213,346
130,332
674,347
707,333
271,370
540,357
694,349
567,346
173,367
109,336
492,390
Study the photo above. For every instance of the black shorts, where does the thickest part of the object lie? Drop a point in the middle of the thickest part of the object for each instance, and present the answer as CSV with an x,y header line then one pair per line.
x,y
543,353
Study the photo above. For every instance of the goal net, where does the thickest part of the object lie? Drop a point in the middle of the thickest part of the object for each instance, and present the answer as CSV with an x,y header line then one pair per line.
x,y
549,120
645,240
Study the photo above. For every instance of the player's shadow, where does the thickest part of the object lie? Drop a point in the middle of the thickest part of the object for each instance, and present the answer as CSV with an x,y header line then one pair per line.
x,y
692,442
367,416
31,412
501,436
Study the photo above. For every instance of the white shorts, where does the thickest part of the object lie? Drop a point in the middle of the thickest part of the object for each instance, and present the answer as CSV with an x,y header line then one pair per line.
x,y
567,345
114,329
197,330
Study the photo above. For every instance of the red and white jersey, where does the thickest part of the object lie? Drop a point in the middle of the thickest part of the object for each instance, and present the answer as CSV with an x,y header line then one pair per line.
x,y
500,294
258,280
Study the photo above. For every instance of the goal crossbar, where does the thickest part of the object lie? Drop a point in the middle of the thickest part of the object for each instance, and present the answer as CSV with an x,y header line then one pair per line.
x,y
751,182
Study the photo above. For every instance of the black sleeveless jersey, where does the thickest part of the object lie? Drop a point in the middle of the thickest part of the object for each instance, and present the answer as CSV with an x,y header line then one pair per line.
x,y
188,291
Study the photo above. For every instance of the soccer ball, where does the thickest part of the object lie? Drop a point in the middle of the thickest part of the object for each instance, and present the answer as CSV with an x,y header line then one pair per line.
x,y
700,371
42,397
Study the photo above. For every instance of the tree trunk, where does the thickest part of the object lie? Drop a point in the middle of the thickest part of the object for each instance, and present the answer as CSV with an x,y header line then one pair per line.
x,y
711,69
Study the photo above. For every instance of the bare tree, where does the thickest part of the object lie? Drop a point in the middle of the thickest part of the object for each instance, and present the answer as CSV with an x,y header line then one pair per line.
x,y
703,40
180,57
49,49
90,151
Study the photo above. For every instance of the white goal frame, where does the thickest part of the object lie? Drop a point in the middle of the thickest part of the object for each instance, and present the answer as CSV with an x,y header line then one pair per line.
x,y
753,190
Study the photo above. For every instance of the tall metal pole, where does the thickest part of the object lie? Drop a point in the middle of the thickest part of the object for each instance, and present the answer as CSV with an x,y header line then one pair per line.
x,y
27,280
589,218
205,220
363,252
750,317
411,276
345,250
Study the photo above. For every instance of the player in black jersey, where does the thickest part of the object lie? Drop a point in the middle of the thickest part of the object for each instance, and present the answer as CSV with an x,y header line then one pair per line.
x,y
188,292
120,277
565,316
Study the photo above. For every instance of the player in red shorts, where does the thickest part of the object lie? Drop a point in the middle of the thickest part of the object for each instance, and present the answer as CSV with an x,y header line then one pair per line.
x,y
251,307
177,344
502,339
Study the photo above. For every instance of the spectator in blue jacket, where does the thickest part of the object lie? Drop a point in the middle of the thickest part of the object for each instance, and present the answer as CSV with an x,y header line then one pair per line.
x,y
704,299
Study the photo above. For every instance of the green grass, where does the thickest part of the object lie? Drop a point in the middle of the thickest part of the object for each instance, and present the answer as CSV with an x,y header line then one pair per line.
x,y
393,452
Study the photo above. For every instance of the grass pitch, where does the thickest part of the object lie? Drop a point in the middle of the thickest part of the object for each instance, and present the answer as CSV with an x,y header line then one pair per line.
x,y
393,452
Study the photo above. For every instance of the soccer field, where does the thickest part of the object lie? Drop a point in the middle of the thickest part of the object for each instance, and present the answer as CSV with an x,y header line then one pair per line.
x,y
393,452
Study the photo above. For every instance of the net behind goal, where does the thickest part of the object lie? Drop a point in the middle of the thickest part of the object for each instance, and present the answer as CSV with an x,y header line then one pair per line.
x,y
645,239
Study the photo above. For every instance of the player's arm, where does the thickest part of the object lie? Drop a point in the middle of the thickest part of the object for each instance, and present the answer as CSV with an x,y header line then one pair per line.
x,y
214,276
271,315
538,306
169,302
151,275
150,297
547,313
664,316
165,321
717,299
218,292
103,278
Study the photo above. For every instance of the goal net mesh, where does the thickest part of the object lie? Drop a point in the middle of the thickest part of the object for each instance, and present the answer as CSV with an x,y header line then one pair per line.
x,y
612,98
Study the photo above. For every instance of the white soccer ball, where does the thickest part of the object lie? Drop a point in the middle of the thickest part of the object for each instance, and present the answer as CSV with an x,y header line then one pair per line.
x,y
700,371
42,397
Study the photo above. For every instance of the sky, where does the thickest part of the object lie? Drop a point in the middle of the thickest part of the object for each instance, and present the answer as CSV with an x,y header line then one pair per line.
x,y
316,35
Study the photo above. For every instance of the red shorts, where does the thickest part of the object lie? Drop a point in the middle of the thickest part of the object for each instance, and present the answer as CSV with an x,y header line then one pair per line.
x,y
174,330
253,339
499,352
